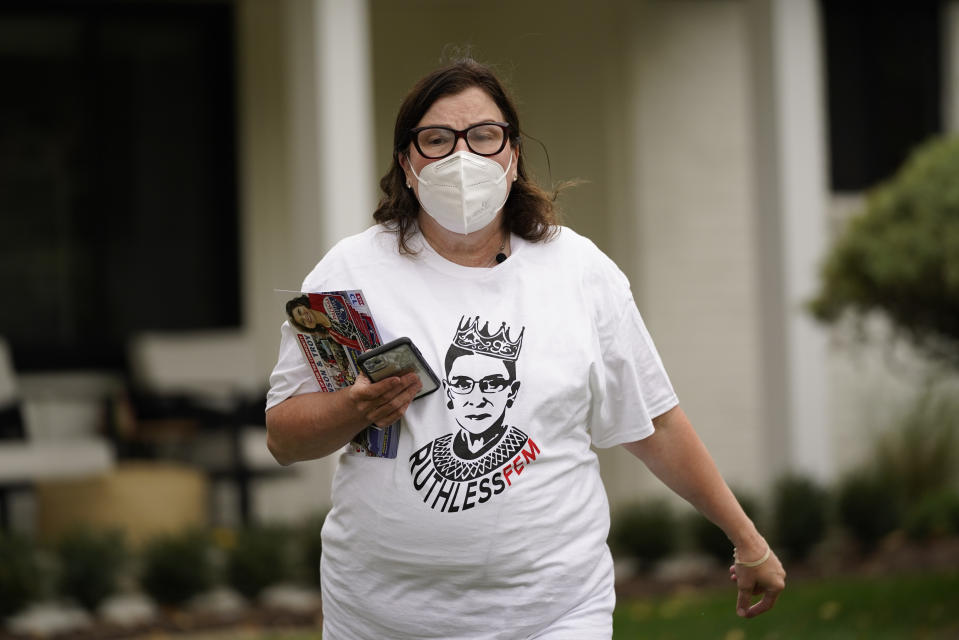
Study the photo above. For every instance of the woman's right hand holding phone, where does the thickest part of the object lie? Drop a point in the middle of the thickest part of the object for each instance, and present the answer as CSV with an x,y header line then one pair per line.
x,y
383,403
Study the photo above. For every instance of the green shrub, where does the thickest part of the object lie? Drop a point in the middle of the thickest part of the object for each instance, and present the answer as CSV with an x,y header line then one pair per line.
x,y
311,546
935,515
710,539
799,515
914,464
262,556
19,573
920,453
90,565
646,532
868,506
177,567
901,254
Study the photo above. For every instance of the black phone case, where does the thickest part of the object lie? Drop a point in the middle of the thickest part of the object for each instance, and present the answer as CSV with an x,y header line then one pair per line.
x,y
395,358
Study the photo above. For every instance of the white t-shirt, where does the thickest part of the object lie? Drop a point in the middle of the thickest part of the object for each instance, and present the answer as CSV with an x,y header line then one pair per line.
x,y
492,520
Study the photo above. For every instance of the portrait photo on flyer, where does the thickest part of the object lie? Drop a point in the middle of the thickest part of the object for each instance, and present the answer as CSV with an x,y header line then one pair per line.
x,y
333,328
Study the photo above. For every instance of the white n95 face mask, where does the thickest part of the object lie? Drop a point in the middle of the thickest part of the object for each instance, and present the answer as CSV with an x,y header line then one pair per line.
x,y
463,191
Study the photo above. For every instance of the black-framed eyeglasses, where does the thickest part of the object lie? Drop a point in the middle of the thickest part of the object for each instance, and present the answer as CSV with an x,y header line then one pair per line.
x,y
483,139
489,384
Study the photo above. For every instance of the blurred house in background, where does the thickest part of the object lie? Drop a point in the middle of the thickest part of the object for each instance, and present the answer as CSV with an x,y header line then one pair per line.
x,y
166,166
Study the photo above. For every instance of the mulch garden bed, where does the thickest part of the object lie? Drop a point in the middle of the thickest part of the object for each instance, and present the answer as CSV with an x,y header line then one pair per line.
x,y
894,555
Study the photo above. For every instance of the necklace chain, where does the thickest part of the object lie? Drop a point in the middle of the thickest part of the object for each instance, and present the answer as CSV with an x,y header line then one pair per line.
x,y
496,259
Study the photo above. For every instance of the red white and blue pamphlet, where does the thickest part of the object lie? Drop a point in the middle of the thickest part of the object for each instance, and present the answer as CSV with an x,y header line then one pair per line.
x,y
332,329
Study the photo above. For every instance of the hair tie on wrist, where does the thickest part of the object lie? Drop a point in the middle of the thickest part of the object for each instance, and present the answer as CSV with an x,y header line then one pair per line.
x,y
754,563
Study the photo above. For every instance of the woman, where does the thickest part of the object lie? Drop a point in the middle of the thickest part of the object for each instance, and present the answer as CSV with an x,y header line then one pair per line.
x,y
493,530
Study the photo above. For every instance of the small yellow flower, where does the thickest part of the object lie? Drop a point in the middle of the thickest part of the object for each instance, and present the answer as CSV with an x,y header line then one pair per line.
x,y
829,610
641,610
673,607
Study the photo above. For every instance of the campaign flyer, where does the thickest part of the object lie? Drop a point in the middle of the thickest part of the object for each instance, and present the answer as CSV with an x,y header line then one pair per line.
x,y
332,329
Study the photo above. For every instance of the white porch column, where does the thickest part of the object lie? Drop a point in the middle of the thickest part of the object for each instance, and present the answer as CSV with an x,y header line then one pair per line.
x,y
307,176
330,123
800,200
344,103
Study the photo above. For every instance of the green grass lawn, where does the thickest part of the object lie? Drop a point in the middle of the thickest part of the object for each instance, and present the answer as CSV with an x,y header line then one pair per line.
x,y
922,606
913,607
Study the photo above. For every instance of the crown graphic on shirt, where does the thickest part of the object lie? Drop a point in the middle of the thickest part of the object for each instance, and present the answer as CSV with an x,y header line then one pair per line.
x,y
498,345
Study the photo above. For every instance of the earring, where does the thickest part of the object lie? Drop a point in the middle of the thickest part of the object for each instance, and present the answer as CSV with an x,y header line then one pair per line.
x,y
509,403
449,405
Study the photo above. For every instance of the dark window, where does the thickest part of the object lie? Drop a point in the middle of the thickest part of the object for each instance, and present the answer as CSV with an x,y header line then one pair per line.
x,y
118,208
884,77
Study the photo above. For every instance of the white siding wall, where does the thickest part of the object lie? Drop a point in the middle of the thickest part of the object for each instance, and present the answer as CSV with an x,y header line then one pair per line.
x,y
696,281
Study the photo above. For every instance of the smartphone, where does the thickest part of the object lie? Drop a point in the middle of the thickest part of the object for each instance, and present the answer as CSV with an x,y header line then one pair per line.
x,y
396,358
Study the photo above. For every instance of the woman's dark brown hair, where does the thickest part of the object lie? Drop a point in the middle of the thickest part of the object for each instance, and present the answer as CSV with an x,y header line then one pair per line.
x,y
529,211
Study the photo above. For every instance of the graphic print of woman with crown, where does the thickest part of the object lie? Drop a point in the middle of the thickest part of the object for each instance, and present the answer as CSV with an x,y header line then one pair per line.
x,y
480,385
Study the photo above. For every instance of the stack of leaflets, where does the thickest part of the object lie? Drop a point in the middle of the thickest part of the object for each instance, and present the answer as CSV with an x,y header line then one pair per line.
x,y
332,329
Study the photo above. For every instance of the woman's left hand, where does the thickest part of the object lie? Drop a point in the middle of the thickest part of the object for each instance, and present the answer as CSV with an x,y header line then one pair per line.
x,y
768,579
